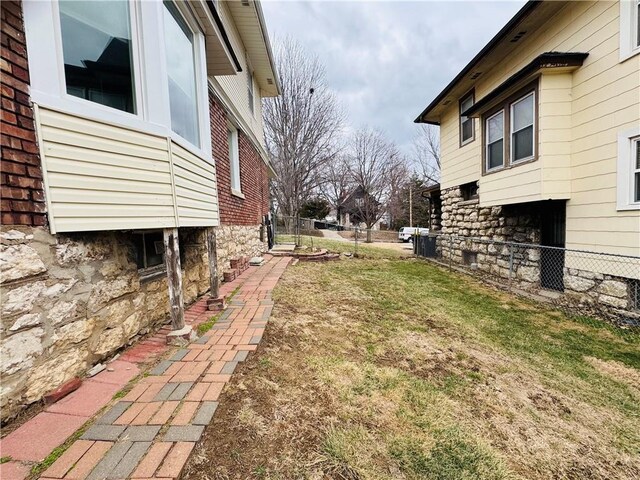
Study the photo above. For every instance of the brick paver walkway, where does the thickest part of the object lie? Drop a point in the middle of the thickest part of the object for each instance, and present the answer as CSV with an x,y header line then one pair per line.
x,y
150,432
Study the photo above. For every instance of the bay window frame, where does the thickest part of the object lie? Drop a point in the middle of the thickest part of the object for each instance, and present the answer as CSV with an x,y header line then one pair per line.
x,y
506,107
152,116
512,147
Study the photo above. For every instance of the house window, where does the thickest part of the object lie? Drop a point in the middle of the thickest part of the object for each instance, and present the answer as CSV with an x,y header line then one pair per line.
x,y
469,257
181,74
467,131
522,117
510,132
250,92
469,191
96,47
628,185
234,158
495,141
149,250
629,28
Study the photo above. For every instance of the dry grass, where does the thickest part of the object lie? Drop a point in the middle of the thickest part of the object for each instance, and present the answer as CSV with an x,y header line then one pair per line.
x,y
391,369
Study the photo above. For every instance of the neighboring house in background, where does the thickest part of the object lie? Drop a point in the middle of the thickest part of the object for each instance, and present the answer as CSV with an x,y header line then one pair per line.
x,y
540,143
354,206
130,130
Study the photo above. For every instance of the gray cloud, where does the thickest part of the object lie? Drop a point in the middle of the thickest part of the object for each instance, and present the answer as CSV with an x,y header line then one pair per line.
x,y
386,60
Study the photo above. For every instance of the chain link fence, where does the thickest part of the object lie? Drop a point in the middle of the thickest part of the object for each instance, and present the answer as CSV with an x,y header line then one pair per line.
x,y
595,282
311,234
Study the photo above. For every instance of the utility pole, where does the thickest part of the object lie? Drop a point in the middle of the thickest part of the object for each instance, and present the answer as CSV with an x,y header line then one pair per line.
x,y
411,204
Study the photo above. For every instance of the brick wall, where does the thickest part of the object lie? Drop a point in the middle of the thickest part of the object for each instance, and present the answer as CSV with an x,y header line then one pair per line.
x,y
254,182
21,191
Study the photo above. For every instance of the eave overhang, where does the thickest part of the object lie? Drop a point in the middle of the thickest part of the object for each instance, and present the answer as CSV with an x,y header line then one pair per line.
x,y
556,62
250,23
220,57
533,14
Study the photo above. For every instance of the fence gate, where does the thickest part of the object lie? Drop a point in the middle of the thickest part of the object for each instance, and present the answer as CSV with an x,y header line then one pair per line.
x,y
425,246
552,259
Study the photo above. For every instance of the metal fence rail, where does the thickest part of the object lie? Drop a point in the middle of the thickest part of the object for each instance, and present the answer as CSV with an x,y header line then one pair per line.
x,y
594,281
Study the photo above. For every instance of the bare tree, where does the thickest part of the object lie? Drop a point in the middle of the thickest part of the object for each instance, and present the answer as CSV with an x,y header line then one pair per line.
x,y
399,179
337,183
373,159
300,126
426,153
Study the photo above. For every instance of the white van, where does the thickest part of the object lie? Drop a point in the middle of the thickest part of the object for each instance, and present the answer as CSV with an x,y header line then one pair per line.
x,y
405,233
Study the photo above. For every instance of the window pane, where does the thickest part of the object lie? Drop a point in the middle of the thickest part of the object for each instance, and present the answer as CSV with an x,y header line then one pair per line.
x,y
523,113
234,160
467,129
466,104
638,154
154,245
496,154
96,46
523,144
636,197
182,75
496,127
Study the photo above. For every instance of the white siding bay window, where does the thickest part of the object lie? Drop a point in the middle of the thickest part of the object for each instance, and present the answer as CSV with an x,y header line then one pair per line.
x,y
140,65
495,141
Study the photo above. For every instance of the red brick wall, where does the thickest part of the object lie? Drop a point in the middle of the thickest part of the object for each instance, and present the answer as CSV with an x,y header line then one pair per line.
x,y
254,181
21,190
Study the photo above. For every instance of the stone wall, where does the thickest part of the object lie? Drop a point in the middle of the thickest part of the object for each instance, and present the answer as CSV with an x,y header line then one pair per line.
x,y
70,301
480,231
235,241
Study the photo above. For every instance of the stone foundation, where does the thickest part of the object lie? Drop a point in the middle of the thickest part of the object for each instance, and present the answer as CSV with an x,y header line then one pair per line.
x,y
71,301
588,292
235,241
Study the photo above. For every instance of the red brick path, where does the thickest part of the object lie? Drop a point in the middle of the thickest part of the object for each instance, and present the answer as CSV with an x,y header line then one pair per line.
x,y
150,432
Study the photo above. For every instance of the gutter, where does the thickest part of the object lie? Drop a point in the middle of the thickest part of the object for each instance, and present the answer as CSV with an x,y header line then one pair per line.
x,y
223,33
528,7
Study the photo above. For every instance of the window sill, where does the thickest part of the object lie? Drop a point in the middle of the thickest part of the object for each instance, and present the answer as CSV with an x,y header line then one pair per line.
x,y
153,273
471,201
510,166
237,193
626,55
628,207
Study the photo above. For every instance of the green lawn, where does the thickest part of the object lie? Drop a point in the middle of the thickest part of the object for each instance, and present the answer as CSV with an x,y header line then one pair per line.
x,y
397,369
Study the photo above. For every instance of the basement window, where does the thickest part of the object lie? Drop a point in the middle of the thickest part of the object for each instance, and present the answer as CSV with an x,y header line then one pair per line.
x,y
469,191
469,258
149,250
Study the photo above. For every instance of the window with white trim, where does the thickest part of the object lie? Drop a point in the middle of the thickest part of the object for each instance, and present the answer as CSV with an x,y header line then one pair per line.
x,y
635,148
628,184
522,128
629,28
250,93
234,158
181,74
97,53
103,60
495,141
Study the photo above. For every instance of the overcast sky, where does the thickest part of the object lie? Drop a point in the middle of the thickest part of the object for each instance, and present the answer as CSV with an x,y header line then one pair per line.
x,y
386,60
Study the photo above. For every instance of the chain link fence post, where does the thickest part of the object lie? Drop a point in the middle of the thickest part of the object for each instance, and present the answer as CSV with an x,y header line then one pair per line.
x,y
510,264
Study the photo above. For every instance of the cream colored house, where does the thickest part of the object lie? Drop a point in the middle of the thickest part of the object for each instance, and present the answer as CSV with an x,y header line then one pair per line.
x,y
131,129
542,129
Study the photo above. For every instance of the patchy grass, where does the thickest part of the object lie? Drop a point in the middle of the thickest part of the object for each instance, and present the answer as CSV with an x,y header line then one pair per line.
x,y
5,459
397,369
204,327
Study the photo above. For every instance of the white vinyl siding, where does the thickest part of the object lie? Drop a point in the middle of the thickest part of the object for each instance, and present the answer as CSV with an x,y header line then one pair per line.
x,y
104,177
